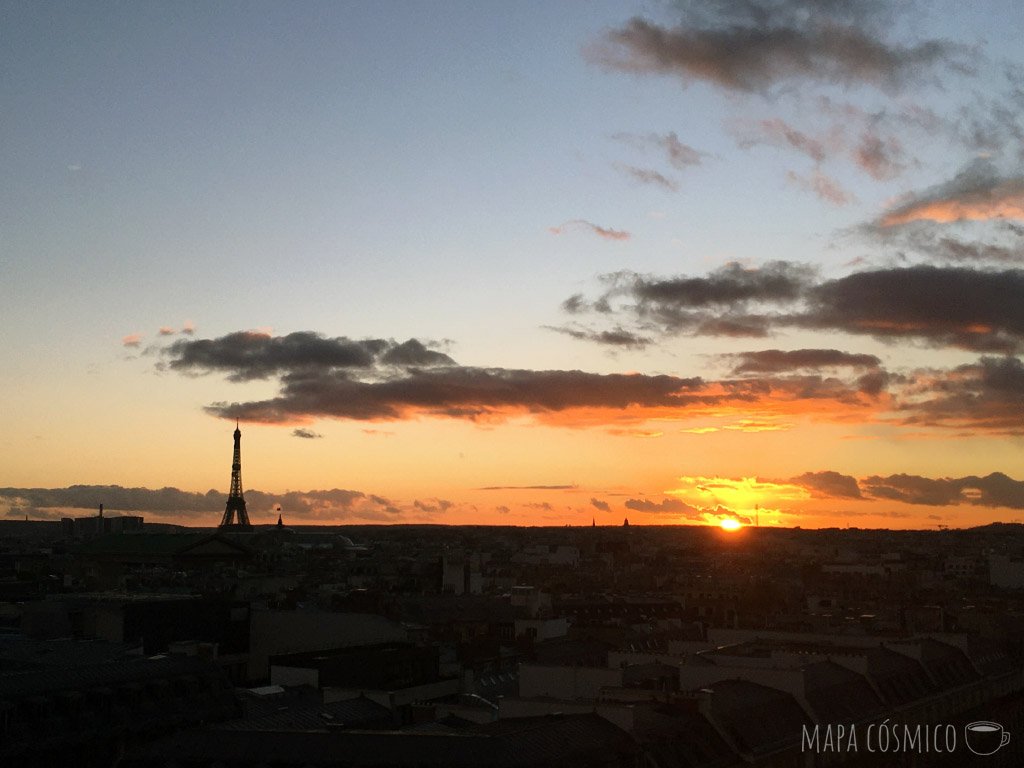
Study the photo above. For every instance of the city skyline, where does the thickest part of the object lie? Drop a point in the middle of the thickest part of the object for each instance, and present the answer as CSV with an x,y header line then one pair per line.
x,y
531,265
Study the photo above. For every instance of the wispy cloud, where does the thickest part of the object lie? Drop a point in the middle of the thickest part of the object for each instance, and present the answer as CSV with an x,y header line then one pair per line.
x,y
602,232
306,434
647,176
679,155
881,157
131,340
823,186
564,487
998,243
614,337
646,434
778,132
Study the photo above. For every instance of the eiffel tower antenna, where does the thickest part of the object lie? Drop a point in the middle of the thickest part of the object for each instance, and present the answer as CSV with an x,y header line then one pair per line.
x,y
235,517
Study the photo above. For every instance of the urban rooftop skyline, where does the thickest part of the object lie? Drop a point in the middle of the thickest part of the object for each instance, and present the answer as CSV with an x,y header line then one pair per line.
x,y
515,264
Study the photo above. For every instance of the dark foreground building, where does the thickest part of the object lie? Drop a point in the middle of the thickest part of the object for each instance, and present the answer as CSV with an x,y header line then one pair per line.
x,y
554,741
89,715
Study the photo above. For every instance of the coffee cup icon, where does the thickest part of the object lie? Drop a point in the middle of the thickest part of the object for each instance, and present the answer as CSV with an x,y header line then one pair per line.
x,y
985,737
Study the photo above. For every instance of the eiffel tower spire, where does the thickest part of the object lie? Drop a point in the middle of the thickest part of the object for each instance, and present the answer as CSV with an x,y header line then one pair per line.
x,y
235,517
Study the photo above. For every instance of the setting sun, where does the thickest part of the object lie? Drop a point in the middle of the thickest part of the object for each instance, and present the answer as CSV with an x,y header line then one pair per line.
x,y
730,524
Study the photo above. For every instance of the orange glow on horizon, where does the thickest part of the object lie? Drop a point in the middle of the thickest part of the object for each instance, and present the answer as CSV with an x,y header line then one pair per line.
x,y
730,524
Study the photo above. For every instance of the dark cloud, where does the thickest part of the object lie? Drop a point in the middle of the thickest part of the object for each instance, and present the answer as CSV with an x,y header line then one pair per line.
x,y
665,505
914,489
948,306
778,361
604,506
800,381
247,355
575,304
993,490
987,395
336,503
752,46
457,392
718,304
732,284
433,506
829,484
306,434
116,498
559,397
953,306
801,388
414,352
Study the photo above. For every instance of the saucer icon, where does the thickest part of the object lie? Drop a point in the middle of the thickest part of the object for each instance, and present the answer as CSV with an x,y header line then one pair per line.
x,y
985,737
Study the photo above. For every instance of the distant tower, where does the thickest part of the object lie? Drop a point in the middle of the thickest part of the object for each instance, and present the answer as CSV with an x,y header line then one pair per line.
x,y
235,517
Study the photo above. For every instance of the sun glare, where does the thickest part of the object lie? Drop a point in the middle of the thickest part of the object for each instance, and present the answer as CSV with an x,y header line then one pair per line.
x,y
730,524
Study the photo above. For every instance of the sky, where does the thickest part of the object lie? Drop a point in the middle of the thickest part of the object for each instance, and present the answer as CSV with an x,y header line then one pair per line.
x,y
521,263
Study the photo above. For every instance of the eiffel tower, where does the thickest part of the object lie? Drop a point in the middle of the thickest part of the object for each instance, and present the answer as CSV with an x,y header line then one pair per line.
x,y
235,517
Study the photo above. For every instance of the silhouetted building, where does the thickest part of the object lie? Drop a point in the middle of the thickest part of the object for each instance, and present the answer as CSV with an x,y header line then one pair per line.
x,y
88,527
105,560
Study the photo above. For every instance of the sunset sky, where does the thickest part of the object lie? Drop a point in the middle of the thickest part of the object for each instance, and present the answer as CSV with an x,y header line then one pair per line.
x,y
527,263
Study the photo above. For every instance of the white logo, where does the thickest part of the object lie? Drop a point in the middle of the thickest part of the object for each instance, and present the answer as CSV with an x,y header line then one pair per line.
x,y
984,737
